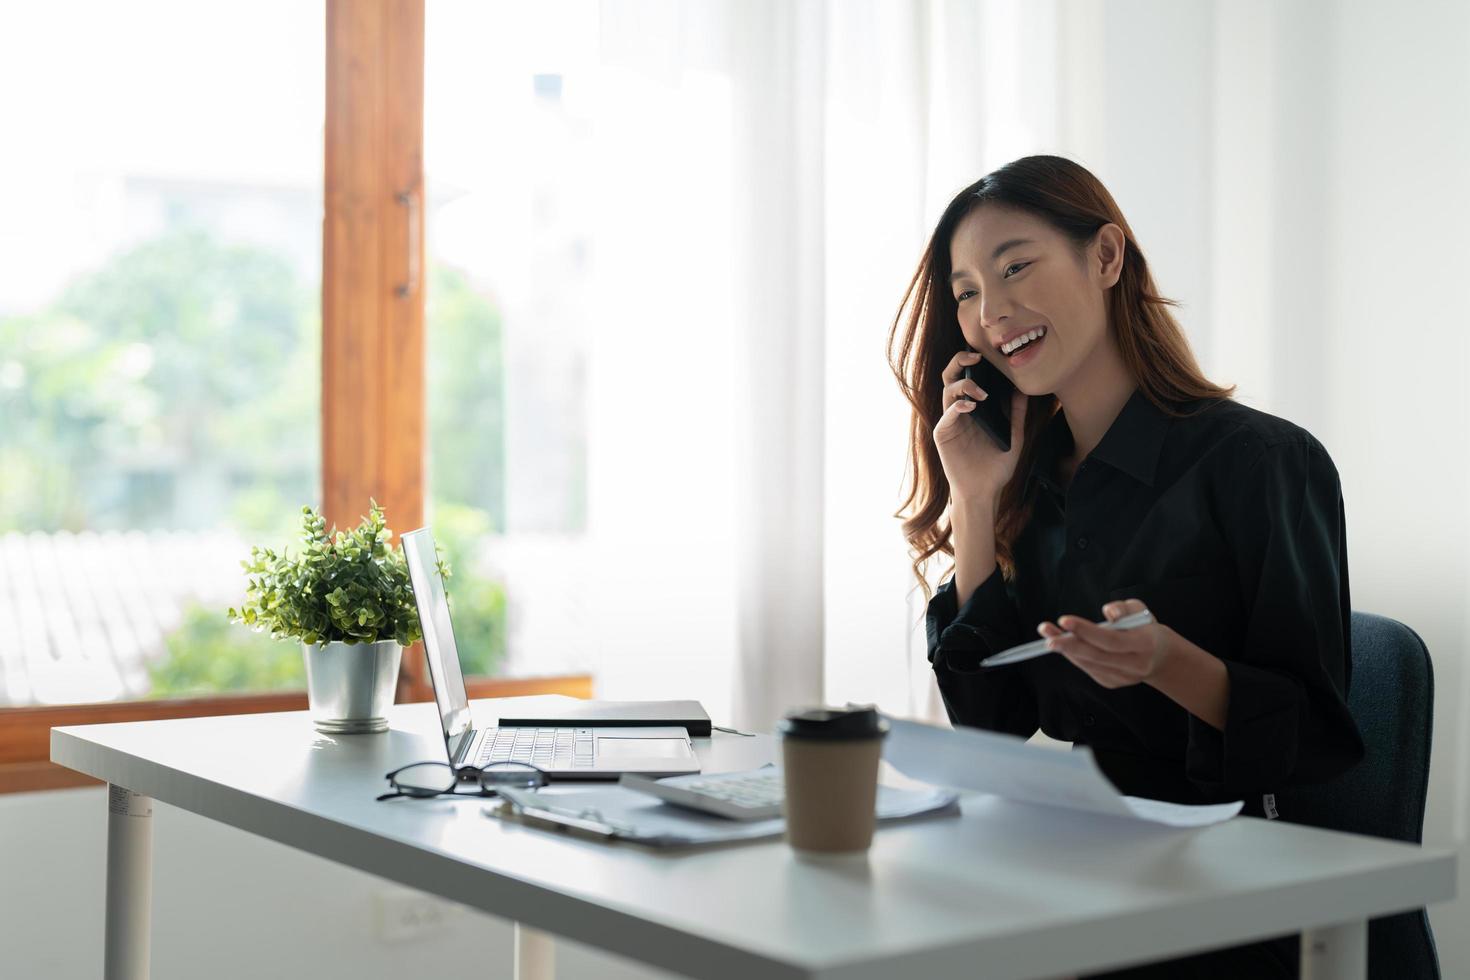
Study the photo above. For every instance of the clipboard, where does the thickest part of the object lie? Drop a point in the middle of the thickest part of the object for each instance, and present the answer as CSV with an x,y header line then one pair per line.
x,y
617,813
531,811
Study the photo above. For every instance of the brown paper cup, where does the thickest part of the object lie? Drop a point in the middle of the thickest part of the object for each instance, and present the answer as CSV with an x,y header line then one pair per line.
x,y
831,791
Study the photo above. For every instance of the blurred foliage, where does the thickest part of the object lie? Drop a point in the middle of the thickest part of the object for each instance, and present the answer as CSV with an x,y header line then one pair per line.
x,y
178,386
466,399
466,404
207,655
179,379
476,601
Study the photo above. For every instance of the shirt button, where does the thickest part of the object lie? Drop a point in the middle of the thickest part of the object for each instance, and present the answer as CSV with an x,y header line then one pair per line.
x,y
1089,719
1082,543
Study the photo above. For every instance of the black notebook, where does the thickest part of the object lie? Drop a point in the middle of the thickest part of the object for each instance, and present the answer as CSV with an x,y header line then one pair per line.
x,y
586,714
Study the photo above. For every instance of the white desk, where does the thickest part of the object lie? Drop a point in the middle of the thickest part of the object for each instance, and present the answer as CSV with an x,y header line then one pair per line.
x,y
1001,890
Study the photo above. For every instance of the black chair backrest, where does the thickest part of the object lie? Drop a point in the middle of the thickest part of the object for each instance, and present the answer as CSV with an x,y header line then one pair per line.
x,y
1392,699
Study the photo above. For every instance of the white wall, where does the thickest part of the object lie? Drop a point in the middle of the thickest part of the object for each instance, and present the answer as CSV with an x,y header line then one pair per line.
x,y
1395,338
232,906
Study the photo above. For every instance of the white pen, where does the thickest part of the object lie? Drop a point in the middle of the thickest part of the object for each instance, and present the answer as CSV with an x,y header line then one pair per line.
x,y
1037,648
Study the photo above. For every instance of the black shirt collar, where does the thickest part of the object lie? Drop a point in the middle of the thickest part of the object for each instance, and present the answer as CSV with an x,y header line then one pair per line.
x,y
1132,443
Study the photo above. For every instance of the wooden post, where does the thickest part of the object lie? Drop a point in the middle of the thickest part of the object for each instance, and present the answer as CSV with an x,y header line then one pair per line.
x,y
373,273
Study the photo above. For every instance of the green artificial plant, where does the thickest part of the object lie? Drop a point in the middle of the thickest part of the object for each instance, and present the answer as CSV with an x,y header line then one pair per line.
x,y
352,586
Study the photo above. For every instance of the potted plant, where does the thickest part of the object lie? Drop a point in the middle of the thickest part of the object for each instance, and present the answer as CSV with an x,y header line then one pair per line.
x,y
347,598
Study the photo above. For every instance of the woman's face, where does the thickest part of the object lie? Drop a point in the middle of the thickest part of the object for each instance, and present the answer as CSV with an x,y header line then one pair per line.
x,y
1014,274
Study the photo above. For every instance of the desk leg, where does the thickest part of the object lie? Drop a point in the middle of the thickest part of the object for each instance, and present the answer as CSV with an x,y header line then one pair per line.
x,y
1336,952
129,884
535,954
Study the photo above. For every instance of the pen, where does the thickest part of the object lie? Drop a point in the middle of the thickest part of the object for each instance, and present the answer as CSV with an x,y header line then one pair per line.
x,y
1038,648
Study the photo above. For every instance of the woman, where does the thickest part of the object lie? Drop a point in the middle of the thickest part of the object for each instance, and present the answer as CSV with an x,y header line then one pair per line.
x,y
1131,482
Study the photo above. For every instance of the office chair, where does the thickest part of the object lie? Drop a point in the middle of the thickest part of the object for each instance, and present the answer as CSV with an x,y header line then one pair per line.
x,y
1392,699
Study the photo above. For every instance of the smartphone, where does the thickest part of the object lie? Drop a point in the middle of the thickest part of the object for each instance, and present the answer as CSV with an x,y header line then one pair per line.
x,y
994,413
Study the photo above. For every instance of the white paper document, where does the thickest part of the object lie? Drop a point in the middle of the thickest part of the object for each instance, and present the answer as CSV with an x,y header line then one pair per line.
x,y
990,762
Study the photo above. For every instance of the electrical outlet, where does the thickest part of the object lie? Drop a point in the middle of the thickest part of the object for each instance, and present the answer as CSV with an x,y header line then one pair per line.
x,y
403,915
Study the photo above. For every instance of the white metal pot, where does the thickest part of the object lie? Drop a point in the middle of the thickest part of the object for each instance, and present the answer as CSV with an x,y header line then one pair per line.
x,y
350,685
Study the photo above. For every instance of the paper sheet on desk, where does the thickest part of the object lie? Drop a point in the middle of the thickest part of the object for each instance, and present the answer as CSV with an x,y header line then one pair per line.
x,y
967,758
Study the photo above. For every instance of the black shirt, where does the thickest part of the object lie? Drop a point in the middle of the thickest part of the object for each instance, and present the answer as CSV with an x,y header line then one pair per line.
x,y
1229,525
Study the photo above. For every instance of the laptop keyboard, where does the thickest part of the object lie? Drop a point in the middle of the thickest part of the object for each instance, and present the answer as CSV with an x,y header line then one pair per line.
x,y
545,748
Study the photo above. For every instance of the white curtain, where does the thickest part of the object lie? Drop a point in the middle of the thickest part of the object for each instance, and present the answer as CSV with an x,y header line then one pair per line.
x,y
791,158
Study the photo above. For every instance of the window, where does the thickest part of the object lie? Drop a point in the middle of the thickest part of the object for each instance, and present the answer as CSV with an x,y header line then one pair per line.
x,y
205,321
509,172
159,340
581,338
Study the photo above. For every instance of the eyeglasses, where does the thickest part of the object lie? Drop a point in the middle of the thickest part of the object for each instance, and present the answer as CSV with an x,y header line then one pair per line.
x,y
422,780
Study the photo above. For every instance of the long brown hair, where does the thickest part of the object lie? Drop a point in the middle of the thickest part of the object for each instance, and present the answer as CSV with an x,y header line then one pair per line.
x,y
1070,199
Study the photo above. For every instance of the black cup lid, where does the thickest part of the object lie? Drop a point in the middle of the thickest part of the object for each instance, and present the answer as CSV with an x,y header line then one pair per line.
x,y
834,723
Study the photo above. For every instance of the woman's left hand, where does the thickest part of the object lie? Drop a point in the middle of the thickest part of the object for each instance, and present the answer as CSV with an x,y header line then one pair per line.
x,y
1113,658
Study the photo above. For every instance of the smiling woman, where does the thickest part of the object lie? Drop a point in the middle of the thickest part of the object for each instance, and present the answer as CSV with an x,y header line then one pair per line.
x,y
1131,483
1028,278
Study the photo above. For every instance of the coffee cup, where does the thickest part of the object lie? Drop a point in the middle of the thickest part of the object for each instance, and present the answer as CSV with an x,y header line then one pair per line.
x,y
830,759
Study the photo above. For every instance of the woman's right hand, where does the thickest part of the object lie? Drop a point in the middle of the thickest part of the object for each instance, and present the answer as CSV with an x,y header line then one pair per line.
x,y
977,469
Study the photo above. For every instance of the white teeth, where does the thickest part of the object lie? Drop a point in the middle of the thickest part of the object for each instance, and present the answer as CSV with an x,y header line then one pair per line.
x,y
1022,340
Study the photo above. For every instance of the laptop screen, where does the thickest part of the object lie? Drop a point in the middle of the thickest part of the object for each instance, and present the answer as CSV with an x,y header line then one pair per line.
x,y
443,655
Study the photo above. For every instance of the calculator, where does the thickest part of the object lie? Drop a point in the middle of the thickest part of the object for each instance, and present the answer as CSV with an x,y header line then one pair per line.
x,y
755,794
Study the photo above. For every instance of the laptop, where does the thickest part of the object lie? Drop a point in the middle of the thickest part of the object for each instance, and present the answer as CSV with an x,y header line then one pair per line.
x,y
561,752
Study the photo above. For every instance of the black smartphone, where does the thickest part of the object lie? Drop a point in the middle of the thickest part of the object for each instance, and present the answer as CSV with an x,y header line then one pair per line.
x,y
994,413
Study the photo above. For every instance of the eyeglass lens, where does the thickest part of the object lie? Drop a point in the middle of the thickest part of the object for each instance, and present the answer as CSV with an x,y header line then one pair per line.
x,y
426,778
511,774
